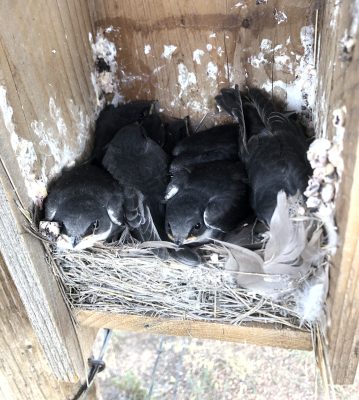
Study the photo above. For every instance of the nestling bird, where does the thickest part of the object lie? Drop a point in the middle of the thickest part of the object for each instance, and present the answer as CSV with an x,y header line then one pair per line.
x,y
136,161
272,145
206,200
112,119
88,205
214,144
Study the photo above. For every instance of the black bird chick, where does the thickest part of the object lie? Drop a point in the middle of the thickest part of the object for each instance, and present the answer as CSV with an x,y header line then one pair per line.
x,y
88,204
272,145
214,144
112,119
205,201
136,161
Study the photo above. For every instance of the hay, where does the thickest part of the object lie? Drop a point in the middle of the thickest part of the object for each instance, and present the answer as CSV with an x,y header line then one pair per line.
x,y
130,279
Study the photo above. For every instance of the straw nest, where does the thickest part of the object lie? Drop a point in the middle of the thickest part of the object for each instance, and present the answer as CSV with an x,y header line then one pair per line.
x,y
129,278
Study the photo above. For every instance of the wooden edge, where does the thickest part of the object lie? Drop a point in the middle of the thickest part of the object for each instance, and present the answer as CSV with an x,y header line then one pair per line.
x,y
338,89
38,289
259,334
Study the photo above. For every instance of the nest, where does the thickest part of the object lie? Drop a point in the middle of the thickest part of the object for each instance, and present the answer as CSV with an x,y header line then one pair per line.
x,y
128,278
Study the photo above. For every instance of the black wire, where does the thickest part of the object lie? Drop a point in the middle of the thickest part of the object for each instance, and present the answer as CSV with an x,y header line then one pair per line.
x,y
97,365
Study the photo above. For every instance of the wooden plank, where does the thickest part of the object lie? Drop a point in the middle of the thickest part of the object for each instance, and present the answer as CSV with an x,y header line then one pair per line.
x,y
217,43
46,105
338,87
24,372
259,334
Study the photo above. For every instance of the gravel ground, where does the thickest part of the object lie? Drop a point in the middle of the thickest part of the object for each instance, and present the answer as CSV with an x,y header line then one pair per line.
x,y
143,367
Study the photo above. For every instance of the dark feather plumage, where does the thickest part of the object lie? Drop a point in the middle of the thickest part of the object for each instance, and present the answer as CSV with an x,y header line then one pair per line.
x,y
88,204
214,144
136,161
273,149
205,201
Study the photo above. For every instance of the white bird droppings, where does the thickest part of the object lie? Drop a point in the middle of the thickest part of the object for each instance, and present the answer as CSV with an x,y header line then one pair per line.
x,y
168,50
197,54
212,70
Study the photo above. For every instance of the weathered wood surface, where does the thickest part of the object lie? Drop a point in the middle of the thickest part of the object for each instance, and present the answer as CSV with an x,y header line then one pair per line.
x,y
339,87
259,334
217,43
46,101
24,372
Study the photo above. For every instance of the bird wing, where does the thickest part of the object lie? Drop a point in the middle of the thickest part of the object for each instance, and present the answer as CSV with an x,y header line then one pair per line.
x,y
136,160
222,212
115,209
263,105
230,100
111,119
133,205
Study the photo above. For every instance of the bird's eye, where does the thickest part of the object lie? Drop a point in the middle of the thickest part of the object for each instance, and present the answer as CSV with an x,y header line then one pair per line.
x,y
197,226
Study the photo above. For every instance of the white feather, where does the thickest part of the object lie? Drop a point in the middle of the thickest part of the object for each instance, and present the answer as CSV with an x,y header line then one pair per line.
x,y
310,299
292,249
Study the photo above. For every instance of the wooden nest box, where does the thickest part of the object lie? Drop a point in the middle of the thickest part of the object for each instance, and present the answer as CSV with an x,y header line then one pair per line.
x,y
181,53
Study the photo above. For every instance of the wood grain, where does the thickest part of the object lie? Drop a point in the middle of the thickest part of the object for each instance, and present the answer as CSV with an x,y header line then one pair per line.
x,y
45,64
262,335
24,372
339,87
227,32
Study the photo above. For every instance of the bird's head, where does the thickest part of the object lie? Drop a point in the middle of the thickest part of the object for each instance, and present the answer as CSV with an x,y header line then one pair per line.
x,y
184,220
82,225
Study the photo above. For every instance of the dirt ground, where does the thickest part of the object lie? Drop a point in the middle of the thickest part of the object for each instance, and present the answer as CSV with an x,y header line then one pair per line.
x,y
143,367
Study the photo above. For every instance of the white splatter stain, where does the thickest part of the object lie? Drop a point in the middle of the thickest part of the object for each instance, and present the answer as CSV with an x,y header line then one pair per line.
x,y
266,45
55,147
213,35
196,106
220,51
24,151
197,54
185,78
301,92
56,115
82,124
104,82
283,63
212,70
147,49
280,16
168,50
258,61
209,47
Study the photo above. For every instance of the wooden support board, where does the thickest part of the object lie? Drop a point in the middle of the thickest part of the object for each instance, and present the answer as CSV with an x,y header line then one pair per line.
x,y
24,372
259,334
339,87
183,52
46,102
